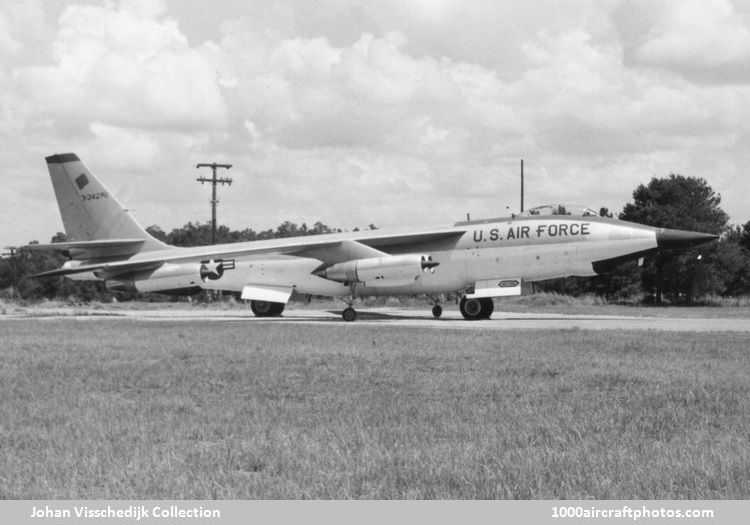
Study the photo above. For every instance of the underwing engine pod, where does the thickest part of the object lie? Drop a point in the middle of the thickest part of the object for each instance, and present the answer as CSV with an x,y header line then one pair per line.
x,y
169,279
381,271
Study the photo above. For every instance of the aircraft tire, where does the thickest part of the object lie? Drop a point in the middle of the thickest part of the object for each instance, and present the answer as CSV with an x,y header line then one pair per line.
x,y
277,309
266,308
471,309
349,315
488,306
437,311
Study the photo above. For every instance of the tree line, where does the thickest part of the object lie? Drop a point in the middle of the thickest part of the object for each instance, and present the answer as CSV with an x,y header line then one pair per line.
x,y
677,202
715,269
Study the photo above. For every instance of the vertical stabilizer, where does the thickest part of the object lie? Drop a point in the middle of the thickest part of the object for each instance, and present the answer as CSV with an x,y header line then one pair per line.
x,y
89,212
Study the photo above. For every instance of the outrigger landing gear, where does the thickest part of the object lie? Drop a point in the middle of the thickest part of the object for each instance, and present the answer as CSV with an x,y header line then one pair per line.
x,y
474,309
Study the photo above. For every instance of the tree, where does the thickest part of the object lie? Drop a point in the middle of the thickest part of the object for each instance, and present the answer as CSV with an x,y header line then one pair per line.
x,y
733,260
683,203
744,236
156,232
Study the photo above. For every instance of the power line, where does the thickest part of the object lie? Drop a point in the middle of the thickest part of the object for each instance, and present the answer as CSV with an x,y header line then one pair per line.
x,y
214,181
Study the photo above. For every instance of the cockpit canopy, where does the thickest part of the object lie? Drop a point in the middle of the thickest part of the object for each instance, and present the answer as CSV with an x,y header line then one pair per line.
x,y
547,210
576,210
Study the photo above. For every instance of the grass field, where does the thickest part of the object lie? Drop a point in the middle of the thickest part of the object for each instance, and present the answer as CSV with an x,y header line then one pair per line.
x,y
112,408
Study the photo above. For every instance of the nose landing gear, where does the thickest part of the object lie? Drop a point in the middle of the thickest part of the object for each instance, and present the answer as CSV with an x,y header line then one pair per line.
x,y
349,314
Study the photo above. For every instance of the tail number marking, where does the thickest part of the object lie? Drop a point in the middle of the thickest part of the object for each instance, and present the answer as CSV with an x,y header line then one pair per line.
x,y
94,196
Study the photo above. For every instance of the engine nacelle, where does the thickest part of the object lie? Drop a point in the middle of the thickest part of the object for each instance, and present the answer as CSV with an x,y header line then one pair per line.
x,y
381,271
168,278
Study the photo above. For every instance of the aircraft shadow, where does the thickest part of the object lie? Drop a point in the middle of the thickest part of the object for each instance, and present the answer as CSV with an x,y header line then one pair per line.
x,y
364,315
566,318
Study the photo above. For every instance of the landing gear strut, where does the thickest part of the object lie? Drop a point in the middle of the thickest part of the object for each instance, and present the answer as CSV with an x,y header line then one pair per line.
x,y
474,309
349,314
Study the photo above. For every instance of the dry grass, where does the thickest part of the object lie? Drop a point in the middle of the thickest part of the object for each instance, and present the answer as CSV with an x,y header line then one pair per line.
x,y
124,409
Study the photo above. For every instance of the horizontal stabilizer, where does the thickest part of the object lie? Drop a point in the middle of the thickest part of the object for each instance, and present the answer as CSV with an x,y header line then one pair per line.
x,y
92,249
109,270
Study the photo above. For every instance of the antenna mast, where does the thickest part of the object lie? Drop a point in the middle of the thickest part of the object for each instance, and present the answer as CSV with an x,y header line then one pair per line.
x,y
521,184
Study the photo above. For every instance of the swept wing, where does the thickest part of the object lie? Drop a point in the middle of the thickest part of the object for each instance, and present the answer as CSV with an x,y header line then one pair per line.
x,y
328,251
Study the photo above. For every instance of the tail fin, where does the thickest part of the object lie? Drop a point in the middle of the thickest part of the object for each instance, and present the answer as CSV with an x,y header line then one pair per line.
x,y
89,212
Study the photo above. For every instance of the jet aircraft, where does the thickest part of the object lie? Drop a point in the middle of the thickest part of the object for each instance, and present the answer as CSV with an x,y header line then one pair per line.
x,y
480,260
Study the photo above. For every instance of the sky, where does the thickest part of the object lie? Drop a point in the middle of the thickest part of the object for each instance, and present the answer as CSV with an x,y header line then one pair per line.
x,y
394,113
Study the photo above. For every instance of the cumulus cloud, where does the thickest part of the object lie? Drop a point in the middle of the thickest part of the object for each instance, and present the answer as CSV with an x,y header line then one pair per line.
x,y
363,112
307,93
22,28
126,66
9,45
705,40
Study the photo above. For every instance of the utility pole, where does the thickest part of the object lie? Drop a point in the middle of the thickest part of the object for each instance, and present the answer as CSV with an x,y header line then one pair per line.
x,y
214,181
12,250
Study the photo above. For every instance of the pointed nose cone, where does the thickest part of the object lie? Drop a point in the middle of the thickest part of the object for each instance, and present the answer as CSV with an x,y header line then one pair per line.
x,y
668,239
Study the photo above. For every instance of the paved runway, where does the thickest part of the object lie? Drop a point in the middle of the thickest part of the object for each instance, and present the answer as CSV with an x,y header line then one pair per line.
x,y
415,318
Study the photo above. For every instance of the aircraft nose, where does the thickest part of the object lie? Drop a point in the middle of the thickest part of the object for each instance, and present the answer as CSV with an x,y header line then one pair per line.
x,y
667,239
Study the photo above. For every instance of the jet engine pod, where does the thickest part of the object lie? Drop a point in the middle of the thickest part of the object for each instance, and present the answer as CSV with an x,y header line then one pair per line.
x,y
381,271
171,279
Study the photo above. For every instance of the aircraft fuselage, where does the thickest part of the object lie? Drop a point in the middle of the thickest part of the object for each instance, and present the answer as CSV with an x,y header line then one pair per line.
x,y
522,247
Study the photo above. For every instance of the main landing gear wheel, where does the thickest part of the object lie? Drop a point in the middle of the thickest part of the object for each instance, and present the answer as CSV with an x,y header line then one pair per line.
x,y
488,306
471,309
266,308
349,315
474,309
437,311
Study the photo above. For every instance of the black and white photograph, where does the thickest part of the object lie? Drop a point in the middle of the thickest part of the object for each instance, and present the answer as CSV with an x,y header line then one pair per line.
x,y
422,250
